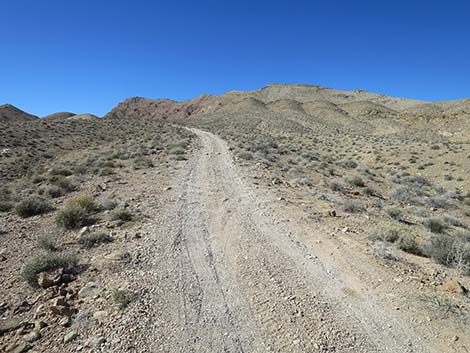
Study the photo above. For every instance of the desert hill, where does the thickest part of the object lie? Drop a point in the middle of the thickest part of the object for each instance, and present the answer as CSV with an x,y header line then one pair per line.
x,y
9,113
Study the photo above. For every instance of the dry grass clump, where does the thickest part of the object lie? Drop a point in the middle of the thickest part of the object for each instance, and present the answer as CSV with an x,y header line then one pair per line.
x,y
436,224
351,206
122,214
77,213
45,262
451,251
48,242
32,206
91,240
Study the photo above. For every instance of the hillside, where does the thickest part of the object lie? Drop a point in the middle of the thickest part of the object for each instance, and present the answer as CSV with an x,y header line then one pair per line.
x,y
293,218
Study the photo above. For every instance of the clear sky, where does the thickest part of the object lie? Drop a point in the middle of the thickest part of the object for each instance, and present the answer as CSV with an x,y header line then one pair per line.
x,y
86,56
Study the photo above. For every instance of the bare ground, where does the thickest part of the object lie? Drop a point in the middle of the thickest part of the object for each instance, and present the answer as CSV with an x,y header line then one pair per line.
x,y
229,268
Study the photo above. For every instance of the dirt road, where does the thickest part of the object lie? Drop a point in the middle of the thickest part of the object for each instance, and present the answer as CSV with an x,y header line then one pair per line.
x,y
225,274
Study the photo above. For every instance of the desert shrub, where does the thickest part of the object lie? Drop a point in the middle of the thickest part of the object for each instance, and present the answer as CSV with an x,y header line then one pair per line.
x,y
6,206
55,192
438,202
38,179
304,181
45,262
450,251
335,185
60,171
32,206
350,206
356,181
435,224
347,163
245,155
453,221
122,297
177,150
384,251
386,232
142,163
5,193
90,240
108,204
122,214
393,212
77,213
409,244
48,242
80,169
408,194
369,191
65,184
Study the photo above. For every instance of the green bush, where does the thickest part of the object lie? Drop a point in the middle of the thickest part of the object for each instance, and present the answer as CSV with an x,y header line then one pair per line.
x,y
32,206
46,262
77,213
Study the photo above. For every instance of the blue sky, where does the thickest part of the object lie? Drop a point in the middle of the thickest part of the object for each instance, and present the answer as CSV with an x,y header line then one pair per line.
x,y
86,56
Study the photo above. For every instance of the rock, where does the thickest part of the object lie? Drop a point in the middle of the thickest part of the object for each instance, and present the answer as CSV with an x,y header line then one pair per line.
x,y
95,341
9,325
21,348
83,231
453,286
50,278
32,336
70,336
332,213
100,316
455,338
91,289
61,307
65,321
